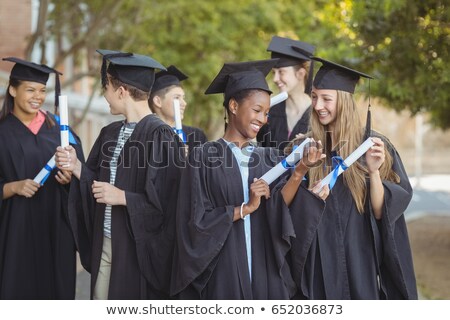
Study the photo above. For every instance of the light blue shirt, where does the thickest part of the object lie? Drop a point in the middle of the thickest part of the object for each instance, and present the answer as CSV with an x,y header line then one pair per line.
x,y
242,157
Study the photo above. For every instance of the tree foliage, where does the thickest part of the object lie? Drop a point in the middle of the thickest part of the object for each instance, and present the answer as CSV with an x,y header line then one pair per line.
x,y
406,44
403,43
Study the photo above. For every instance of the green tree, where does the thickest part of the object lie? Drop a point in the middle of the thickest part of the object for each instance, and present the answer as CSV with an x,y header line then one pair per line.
x,y
406,45
197,36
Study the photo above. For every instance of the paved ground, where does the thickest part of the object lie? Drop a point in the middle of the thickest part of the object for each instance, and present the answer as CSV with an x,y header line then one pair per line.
x,y
428,218
430,244
83,283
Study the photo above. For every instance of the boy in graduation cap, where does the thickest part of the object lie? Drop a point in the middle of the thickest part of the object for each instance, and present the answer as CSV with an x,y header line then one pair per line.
x,y
166,88
37,251
232,233
361,248
124,200
292,74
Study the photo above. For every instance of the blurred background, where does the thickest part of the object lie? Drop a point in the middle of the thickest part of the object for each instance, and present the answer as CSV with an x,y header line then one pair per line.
x,y
404,44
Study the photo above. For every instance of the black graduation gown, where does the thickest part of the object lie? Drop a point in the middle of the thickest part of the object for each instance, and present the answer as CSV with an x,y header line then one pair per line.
x,y
351,252
210,260
37,248
194,136
142,232
275,132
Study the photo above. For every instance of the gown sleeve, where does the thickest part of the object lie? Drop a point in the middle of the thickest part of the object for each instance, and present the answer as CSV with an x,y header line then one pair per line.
x,y
152,212
391,236
305,211
280,224
201,228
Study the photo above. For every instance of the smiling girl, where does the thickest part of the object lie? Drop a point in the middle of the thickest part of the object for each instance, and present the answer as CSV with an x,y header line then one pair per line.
x,y
361,248
37,252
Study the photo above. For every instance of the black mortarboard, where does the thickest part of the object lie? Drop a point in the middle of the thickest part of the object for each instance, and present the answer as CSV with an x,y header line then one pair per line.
x,y
290,52
30,71
130,68
238,76
337,77
165,78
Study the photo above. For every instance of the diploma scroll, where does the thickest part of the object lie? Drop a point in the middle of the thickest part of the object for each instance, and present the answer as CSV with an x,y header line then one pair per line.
x,y
45,172
278,98
177,115
64,121
330,179
288,162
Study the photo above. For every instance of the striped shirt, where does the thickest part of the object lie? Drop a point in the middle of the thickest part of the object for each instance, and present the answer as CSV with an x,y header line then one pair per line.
x,y
124,135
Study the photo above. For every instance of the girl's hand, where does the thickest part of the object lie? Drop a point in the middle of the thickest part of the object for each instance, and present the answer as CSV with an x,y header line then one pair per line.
x,y
259,188
63,176
26,188
375,155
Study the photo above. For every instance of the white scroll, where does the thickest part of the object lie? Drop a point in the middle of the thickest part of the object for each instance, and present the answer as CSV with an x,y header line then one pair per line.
x,y
295,156
355,155
278,98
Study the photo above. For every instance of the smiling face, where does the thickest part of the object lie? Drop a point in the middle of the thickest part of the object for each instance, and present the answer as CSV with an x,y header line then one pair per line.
x,y
249,114
324,103
28,98
289,79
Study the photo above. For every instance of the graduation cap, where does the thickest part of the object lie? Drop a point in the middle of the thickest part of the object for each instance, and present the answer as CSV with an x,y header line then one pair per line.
x,y
165,78
290,52
238,76
130,68
30,71
337,77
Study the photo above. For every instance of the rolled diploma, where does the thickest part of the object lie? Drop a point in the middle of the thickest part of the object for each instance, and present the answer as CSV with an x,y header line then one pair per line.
x,y
295,156
64,121
278,98
177,116
355,155
45,170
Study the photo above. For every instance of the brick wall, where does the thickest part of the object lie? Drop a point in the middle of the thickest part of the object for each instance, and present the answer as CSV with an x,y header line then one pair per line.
x,y
15,27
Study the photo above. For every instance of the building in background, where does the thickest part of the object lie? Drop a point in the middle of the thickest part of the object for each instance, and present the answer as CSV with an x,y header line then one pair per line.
x,y
17,22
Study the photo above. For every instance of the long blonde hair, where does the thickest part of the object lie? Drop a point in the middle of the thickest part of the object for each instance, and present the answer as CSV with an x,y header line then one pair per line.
x,y
348,134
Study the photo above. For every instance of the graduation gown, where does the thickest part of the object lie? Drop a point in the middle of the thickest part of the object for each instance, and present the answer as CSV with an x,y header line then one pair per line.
x,y
194,136
354,256
37,248
210,260
142,232
275,132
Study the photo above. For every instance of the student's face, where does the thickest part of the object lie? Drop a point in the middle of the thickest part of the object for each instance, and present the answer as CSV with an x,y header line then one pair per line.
x,y
28,97
324,102
251,114
288,79
166,110
112,97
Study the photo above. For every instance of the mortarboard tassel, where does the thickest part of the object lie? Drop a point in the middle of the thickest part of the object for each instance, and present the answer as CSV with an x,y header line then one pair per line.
x,y
368,131
57,91
308,85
